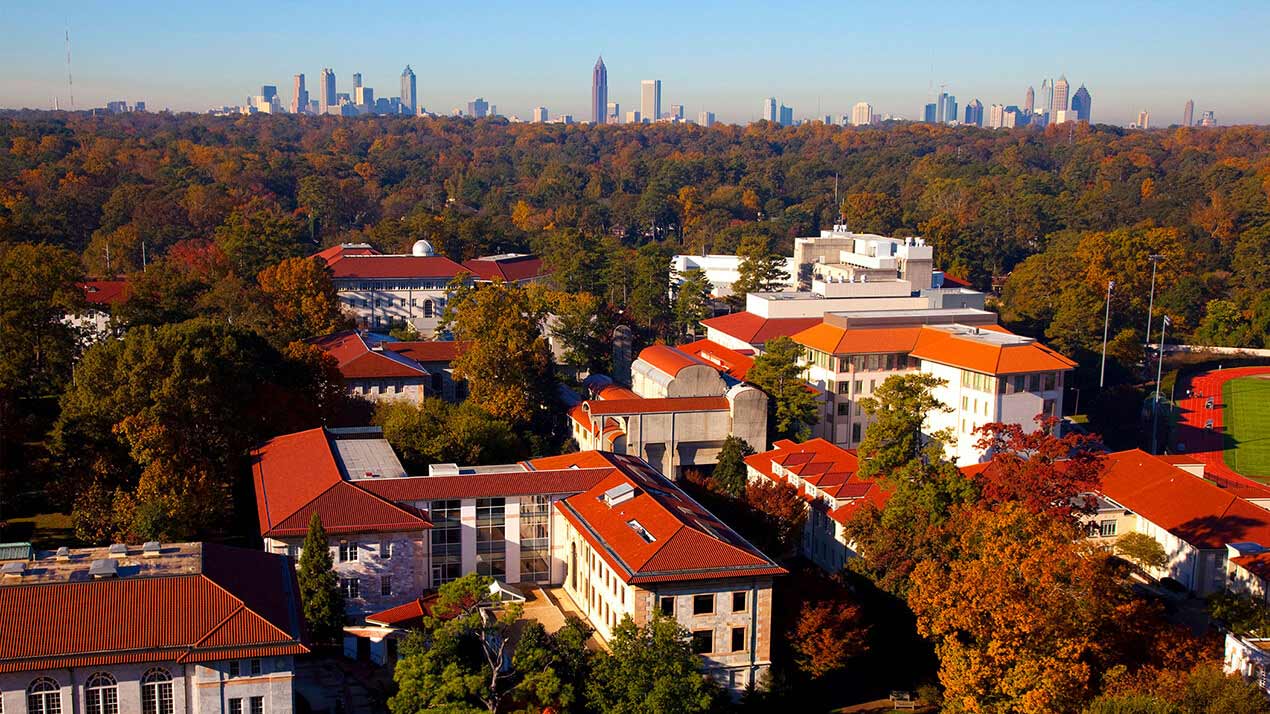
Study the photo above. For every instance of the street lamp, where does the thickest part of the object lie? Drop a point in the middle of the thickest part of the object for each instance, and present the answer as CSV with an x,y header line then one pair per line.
x,y
1159,371
1155,259
1106,320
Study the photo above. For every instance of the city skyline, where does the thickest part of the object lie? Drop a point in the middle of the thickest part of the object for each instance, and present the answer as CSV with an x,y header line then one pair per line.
x,y
184,66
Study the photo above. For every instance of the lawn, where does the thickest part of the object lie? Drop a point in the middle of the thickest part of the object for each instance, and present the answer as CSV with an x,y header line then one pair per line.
x,y
1246,417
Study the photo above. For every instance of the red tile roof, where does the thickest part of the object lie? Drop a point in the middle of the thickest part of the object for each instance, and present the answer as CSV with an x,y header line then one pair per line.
x,y
728,360
483,485
405,615
665,405
238,604
757,330
1257,564
352,507
379,267
1189,507
668,359
987,357
104,292
688,542
336,252
429,351
359,359
829,468
838,341
510,268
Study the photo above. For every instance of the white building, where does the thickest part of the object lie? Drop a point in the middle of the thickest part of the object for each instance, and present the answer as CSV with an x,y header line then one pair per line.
x,y
862,114
720,270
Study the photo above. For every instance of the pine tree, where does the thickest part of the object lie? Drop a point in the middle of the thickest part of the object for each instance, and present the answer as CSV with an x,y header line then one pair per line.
x,y
791,403
692,300
730,474
319,589
761,270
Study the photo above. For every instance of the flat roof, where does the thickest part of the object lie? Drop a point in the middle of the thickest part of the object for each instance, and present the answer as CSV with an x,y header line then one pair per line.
x,y
367,458
173,559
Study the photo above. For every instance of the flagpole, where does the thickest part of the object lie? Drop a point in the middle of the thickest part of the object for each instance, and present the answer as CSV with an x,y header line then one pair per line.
x,y
1102,371
1159,370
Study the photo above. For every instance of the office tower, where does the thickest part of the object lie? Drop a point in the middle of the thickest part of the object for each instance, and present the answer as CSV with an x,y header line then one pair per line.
x,y
996,116
1188,114
364,98
677,112
614,113
928,113
1207,119
478,108
409,102
706,119
862,114
326,94
139,107
539,115
1029,101
357,81
787,116
269,92
939,107
599,92
1011,117
632,117
493,111
1081,104
1144,119
299,95
650,99
769,110
1061,88
1047,96
974,113
950,109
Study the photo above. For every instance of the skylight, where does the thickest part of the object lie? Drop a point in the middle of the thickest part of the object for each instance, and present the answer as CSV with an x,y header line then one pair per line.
x,y
641,531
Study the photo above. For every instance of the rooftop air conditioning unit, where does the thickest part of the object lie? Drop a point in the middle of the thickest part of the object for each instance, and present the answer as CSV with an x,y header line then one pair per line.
x,y
63,554
620,493
118,550
151,549
103,568
13,570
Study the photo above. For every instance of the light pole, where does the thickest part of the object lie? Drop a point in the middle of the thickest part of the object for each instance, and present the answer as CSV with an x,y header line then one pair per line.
x,y
1106,320
1155,407
1155,259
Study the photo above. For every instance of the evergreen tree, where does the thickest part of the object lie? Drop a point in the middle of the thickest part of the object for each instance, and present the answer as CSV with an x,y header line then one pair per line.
x,y
730,473
692,300
649,304
762,270
319,589
791,405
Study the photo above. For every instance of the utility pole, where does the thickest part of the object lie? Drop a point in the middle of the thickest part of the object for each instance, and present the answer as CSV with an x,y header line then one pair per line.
x,y
1159,370
1106,320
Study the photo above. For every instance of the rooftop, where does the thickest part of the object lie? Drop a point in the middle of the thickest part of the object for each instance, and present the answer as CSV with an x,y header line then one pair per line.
x,y
359,358
756,329
987,351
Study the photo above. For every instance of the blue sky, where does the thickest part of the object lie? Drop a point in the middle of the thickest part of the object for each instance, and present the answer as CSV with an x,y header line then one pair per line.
x,y
818,57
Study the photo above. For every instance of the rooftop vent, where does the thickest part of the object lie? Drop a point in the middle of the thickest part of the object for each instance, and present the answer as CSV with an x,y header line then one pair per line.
x,y
443,469
118,550
641,531
151,549
13,570
63,554
104,568
620,493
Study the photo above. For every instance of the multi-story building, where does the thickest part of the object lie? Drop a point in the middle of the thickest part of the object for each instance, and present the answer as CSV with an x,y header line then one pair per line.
x,y
1208,118
786,115
539,115
409,99
770,111
387,370
327,99
478,108
633,117
614,111
706,119
862,114
1060,90
720,270
650,100
1029,101
155,629
299,96
1082,104
1144,120
621,538
974,113
679,409
599,92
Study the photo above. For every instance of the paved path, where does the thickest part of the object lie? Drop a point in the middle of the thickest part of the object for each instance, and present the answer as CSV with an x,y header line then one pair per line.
x,y
1194,414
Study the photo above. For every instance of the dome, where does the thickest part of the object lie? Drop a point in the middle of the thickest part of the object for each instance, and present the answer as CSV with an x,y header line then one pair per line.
x,y
422,248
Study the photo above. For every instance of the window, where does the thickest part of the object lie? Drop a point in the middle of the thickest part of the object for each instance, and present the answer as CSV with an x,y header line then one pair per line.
x,y
348,552
844,408
859,386
385,550
257,705
844,387
255,668
668,606
446,534
703,641
385,585
102,694
535,539
491,543
235,706
1049,381
1106,529
351,588
44,696
738,600
156,692
1034,383
702,604
855,432
235,668
738,639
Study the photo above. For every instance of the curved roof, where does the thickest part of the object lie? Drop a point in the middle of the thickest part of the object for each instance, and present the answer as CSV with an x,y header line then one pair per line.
x,y
669,360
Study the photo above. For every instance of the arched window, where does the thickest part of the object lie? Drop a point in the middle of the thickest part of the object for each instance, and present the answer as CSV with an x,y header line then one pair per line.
x,y
428,308
101,694
156,692
44,696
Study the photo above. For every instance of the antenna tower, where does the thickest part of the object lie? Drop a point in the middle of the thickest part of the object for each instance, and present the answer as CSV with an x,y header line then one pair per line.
x,y
70,85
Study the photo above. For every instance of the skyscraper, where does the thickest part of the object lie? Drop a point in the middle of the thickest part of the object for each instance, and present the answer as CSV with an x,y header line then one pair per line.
x,y
1081,104
787,116
478,108
299,96
1061,88
364,98
677,112
357,81
950,108
1029,101
941,104
928,114
599,92
650,100
769,110
327,92
996,116
1207,119
1188,114
862,114
269,92
1144,120
1047,97
409,103
539,115
706,119
974,113
614,113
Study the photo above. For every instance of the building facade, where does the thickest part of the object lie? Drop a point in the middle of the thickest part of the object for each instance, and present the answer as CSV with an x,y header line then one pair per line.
x,y
599,92
650,100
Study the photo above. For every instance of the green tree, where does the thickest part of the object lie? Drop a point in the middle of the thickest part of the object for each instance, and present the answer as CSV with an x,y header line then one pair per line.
x,y
761,270
1250,267
1141,549
649,303
581,325
436,431
320,595
1240,614
896,435
730,474
259,234
1224,325
37,290
791,402
651,669
555,666
692,301
867,212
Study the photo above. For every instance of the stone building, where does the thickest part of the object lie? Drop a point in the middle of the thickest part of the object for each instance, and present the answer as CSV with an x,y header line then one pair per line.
x,y
381,369
174,627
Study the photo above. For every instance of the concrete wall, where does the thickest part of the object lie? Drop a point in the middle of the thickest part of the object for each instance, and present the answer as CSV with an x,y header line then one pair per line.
x,y
390,389
382,309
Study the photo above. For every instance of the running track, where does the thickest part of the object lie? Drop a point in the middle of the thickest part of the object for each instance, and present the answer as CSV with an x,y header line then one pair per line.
x,y
1205,445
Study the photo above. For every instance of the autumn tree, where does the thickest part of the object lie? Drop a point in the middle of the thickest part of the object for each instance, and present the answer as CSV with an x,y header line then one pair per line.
x,y
730,473
37,292
792,405
692,300
580,324
782,512
320,595
436,431
302,299
1045,473
761,270
827,635
1142,550
868,212
650,668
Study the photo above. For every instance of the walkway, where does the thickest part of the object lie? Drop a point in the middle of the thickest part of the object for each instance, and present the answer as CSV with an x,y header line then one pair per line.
x,y
1194,413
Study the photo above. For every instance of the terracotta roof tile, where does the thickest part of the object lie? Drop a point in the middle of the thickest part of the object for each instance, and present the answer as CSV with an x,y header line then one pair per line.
x,y
987,357
380,267
513,483
290,471
669,360
511,268
104,292
735,364
837,340
429,350
346,507
757,330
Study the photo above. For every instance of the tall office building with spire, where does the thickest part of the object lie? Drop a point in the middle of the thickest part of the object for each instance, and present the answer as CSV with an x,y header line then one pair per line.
x,y
299,96
1082,104
650,100
1047,97
409,102
599,92
1061,89
1188,114
327,91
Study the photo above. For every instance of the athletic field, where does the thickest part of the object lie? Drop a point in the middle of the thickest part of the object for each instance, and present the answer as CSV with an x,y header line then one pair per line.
x,y
1246,402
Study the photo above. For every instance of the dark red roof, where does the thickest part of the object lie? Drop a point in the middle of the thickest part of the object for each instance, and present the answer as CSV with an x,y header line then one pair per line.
x,y
429,351
240,604
406,615
379,267
687,541
829,468
346,507
510,268
359,359
757,330
486,485
104,292
290,471
336,252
